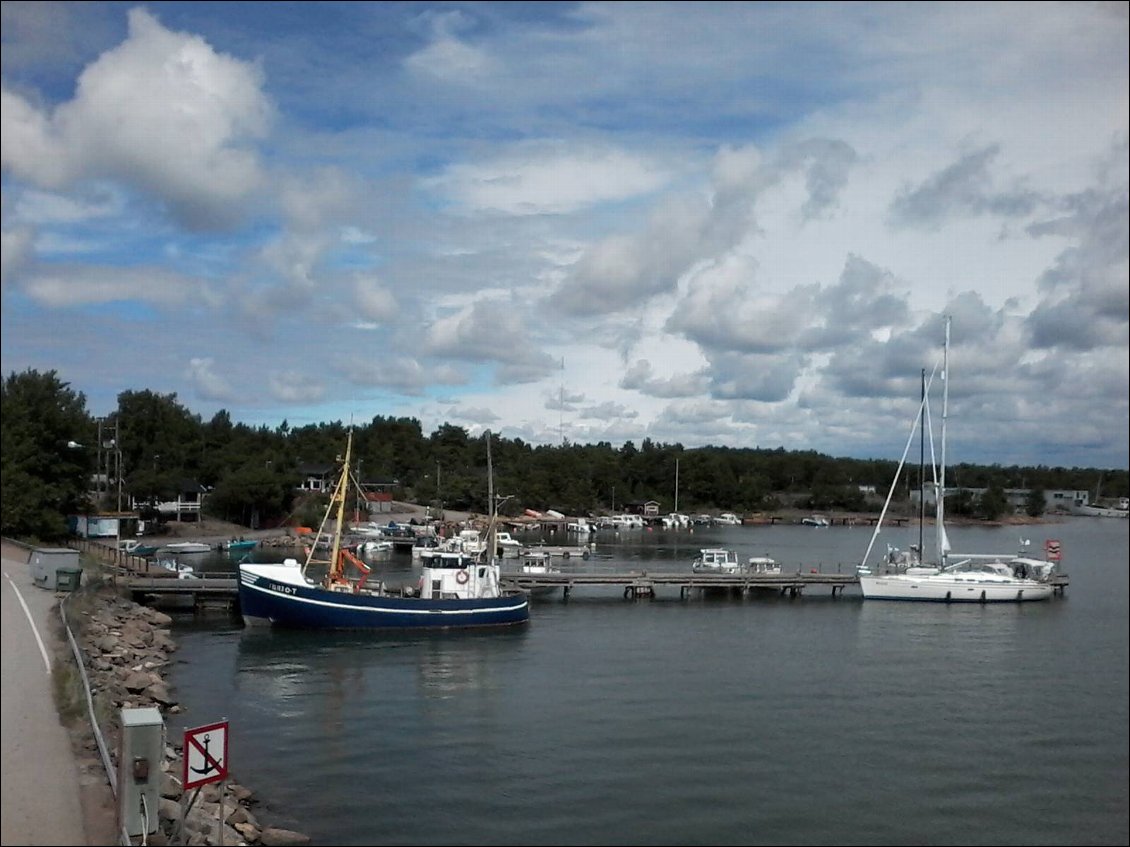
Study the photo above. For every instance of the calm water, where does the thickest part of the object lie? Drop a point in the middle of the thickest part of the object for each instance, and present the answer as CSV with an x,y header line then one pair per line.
x,y
764,720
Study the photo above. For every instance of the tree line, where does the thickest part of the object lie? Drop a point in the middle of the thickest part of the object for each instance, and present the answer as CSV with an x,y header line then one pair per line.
x,y
152,446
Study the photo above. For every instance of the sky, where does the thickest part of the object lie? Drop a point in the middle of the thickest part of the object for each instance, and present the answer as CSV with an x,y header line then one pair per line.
x,y
738,224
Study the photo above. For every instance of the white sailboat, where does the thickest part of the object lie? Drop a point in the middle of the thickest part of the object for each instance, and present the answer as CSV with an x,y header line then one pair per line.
x,y
954,577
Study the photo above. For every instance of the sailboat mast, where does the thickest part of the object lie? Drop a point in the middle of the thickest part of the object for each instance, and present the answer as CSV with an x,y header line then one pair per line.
x,y
943,543
922,469
490,545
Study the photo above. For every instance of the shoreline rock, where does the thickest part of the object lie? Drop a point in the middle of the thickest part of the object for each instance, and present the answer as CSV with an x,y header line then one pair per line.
x,y
126,648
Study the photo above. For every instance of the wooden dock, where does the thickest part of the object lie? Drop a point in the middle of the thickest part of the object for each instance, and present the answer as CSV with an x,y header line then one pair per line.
x,y
201,591
644,584
143,580
206,590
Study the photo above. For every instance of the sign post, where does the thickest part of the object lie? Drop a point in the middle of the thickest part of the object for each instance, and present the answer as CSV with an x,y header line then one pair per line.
x,y
206,761
205,754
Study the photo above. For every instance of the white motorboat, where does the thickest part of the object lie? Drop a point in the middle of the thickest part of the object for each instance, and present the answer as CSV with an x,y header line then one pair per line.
x,y
186,547
763,564
182,571
954,578
580,526
539,562
716,560
375,546
507,545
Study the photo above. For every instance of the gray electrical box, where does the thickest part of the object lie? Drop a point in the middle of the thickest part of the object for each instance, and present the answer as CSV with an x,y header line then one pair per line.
x,y
139,770
45,563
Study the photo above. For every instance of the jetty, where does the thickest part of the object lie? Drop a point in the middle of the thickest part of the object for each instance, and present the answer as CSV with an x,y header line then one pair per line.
x,y
643,584
145,581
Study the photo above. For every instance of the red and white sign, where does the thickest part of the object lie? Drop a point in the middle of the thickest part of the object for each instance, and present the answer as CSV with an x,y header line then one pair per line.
x,y
205,754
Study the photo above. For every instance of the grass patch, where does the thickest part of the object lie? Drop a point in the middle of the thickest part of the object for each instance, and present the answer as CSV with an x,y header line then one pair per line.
x,y
66,683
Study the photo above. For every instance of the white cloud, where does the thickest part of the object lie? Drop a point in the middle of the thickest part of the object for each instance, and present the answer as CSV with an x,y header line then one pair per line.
x,y
738,226
554,178
163,113
446,57
77,286
295,387
208,384
374,301
15,248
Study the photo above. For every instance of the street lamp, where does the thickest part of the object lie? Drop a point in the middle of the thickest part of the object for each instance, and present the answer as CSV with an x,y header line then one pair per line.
x,y
74,445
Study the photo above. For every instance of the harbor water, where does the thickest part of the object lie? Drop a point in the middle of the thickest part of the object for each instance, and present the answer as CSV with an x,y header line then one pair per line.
x,y
763,719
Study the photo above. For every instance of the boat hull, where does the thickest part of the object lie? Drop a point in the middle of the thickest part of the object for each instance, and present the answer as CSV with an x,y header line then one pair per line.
x,y
186,547
265,601
935,590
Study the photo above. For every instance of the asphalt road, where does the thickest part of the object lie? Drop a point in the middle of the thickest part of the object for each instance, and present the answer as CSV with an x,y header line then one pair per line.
x,y
40,794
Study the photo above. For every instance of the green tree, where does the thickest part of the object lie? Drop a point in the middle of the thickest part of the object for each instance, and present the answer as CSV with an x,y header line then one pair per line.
x,y
1036,503
252,494
47,455
993,503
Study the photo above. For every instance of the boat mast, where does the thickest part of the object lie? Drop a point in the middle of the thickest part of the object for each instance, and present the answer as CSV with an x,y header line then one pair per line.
x,y
922,471
940,527
490,545
336,569
676,486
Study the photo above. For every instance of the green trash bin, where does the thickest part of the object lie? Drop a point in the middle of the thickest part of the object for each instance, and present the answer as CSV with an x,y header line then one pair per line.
x,y
68,579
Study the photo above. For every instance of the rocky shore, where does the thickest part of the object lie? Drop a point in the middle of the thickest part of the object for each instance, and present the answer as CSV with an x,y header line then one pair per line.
x,y
126,649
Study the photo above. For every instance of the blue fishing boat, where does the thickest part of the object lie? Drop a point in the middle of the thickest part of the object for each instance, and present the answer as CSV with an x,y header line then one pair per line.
x,y
455,594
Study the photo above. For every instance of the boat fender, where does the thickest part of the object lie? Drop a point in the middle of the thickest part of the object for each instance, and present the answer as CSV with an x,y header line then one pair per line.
x,y
462,577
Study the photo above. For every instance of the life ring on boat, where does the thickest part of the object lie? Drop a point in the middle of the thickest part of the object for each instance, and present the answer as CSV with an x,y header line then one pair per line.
x,y
462,577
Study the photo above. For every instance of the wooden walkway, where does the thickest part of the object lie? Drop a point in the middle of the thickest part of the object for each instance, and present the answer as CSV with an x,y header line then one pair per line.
x,y
142,579
644,584
635,584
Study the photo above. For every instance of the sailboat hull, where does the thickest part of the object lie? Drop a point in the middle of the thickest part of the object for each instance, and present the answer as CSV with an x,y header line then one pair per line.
x,y
275,602
942,588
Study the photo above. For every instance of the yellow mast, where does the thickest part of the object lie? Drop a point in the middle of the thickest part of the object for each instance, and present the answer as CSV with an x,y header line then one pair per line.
x,y
337,572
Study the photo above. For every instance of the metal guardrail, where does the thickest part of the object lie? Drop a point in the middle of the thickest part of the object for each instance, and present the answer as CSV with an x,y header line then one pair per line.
x,y
99,739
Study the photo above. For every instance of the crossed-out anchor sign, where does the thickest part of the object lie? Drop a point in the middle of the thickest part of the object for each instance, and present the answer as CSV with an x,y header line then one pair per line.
x,y
205,754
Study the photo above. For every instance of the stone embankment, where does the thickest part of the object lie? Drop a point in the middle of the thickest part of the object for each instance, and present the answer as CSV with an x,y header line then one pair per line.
x,y
127,648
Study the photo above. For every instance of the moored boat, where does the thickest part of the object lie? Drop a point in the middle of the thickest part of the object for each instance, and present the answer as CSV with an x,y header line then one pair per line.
x,y
181,570
137,548
716,560
953,578
450,594
185,547
539,563
763,564
239,545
